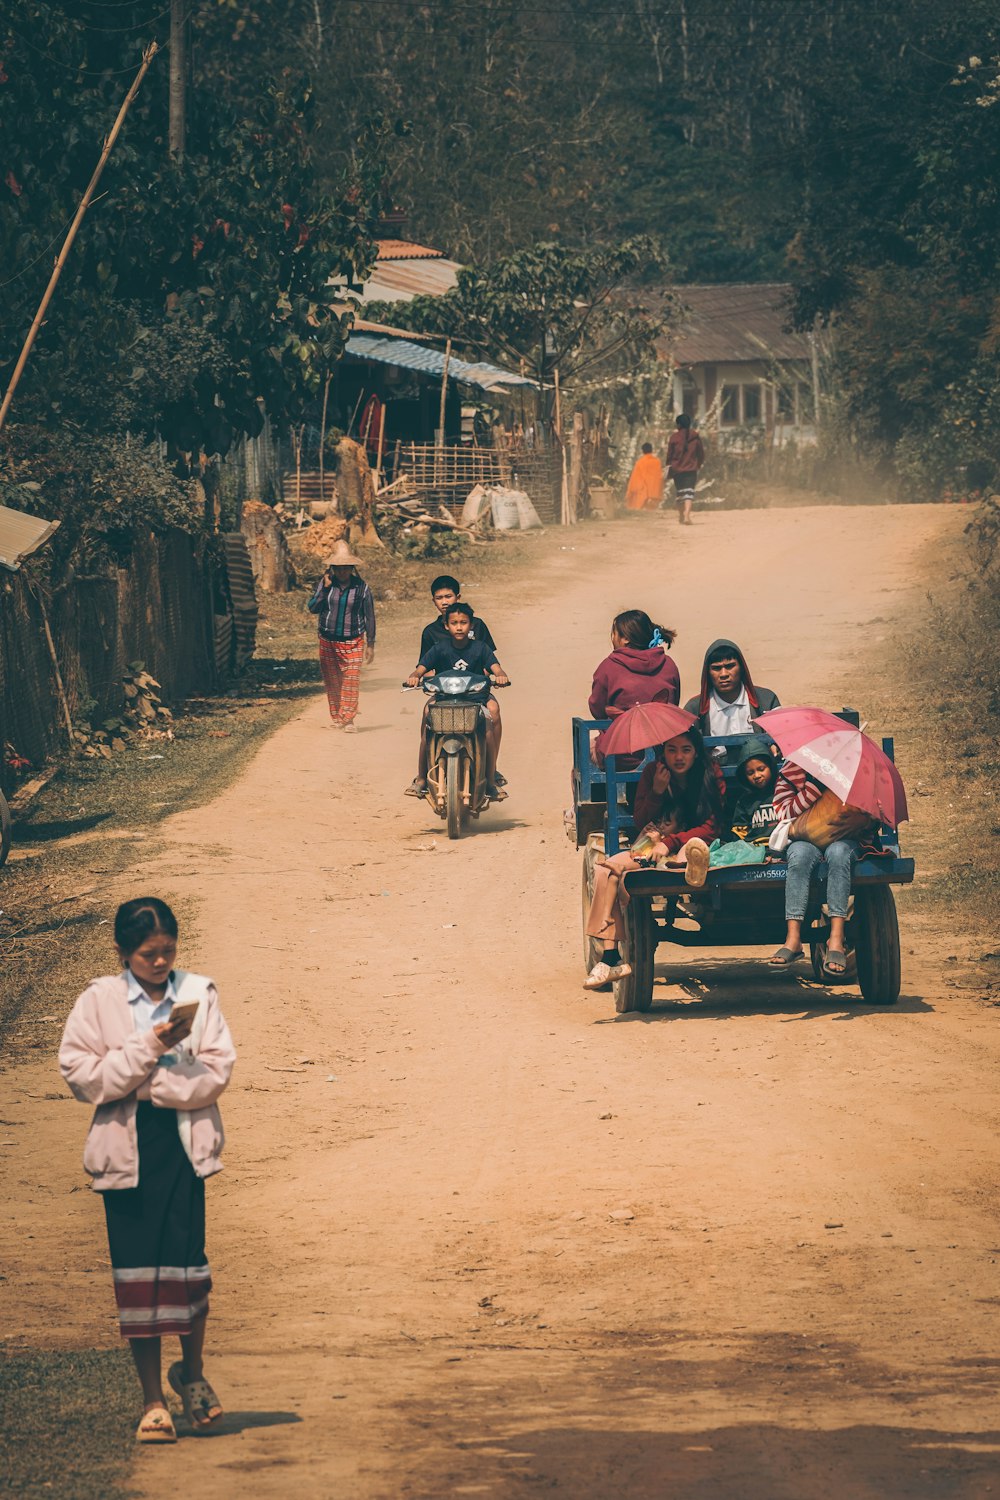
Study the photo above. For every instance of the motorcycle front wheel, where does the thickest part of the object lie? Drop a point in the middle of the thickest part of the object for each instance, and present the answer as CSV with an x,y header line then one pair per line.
x,y
453,797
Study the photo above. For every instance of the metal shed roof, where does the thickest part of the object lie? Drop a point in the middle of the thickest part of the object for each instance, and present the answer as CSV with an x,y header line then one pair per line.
x,y
400,352
733,323
417,276
20,535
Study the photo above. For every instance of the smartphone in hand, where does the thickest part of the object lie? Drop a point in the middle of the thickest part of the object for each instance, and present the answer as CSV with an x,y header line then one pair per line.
x,y
186,1010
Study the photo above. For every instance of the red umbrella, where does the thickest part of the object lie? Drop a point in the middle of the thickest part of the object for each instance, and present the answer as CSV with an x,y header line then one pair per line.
x,y
641,727
841,757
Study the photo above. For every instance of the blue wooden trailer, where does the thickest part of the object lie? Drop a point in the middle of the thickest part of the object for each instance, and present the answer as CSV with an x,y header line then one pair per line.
x,y
739,906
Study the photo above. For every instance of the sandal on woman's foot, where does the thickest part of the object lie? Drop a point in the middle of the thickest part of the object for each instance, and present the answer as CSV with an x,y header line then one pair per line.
x,y
835,963
202,1406
156,1427
785,957
416,788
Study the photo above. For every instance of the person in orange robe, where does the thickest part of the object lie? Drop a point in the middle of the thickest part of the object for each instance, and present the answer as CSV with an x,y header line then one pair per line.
x,y
645,486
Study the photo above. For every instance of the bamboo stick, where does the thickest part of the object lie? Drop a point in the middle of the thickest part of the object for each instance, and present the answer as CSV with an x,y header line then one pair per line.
x,y
63,700
84,204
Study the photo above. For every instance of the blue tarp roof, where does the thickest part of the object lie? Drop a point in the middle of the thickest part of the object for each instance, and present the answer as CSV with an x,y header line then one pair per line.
x,y
392,351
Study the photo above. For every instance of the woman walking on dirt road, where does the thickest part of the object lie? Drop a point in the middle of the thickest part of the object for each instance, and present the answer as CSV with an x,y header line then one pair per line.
x,y
685,456
150,1049
346,612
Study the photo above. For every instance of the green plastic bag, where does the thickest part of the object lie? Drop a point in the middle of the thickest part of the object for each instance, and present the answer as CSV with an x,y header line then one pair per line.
x,y
736,852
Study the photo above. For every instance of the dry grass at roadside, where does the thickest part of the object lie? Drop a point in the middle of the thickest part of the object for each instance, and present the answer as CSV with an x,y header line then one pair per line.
x,y
68,1424
953,704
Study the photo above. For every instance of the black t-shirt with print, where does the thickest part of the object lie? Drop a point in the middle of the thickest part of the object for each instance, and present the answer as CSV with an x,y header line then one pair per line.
x,y
470,656
437,631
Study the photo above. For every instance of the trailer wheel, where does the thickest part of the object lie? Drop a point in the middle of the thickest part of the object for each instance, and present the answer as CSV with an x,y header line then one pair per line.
x,y
876,944
635,991
592,949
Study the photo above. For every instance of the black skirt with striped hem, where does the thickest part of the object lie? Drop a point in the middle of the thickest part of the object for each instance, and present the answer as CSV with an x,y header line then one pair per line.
x,y
156,1234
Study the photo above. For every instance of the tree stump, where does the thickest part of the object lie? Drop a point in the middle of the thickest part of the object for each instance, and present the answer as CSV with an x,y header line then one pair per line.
x,y
356,493
272,567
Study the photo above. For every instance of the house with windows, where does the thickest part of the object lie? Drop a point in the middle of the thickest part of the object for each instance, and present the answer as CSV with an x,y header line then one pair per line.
x,y
738,367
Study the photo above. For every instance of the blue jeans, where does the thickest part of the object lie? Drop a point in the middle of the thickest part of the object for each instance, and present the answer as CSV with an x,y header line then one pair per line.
x,y
802,860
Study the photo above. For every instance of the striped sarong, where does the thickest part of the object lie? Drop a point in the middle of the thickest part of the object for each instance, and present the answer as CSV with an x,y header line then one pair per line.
x,y
340,663
156,1234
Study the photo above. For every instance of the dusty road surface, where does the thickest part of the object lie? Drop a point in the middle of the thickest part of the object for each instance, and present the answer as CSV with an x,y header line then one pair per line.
x,y
478,1236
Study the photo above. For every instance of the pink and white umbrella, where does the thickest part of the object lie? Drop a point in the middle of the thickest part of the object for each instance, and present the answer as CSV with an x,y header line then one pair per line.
x,y
841,757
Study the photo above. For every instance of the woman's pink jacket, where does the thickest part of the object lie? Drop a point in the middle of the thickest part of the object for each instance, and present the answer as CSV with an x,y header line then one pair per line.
x,y
107,1063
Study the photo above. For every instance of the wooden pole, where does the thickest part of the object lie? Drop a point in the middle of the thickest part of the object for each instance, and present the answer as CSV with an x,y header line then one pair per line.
x,y
176,128
63,700
381,448
444,390
354,413
322,435
147,58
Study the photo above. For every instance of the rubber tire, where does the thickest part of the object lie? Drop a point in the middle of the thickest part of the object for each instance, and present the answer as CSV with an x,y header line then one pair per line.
x,y
635,991
4,829
592,949
453,798
876,944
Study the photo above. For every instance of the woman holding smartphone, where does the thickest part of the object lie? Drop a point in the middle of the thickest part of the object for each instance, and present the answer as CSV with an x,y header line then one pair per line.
x,y
679,807
150,1048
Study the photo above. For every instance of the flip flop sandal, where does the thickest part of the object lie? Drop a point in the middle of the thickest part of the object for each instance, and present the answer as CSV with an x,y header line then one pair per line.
x,y
156,1427
416,788
834,956
784,958
202,1406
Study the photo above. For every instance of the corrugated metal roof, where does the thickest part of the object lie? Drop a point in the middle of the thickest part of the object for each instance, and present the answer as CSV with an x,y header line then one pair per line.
x,y
733,324
401,280
361,325
406,250
20,535
394,351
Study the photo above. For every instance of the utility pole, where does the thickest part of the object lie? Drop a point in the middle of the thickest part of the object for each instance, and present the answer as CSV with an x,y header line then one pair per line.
x,y
178,78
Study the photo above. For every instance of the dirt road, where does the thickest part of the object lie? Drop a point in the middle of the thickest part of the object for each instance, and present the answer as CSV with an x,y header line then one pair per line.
x,y
477,1235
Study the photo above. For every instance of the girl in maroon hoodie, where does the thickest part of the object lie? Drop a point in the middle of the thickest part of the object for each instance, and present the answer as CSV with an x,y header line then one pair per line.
x,y
638,669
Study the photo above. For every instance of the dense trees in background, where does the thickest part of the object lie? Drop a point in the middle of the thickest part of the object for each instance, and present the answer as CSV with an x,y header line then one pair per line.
x,y
846,147
198,283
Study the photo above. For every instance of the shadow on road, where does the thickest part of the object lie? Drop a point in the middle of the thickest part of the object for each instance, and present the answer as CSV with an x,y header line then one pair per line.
x,y
619,1415
721,988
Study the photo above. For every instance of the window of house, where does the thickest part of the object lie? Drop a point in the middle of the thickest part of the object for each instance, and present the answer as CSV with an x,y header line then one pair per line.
x,y
785,403
751,403
729,410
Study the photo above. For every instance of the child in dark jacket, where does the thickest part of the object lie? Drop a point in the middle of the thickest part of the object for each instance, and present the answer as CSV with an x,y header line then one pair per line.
x,y
750,804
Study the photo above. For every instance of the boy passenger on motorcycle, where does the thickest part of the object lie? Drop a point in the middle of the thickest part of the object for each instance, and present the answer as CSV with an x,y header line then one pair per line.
x,y
445,591
459,654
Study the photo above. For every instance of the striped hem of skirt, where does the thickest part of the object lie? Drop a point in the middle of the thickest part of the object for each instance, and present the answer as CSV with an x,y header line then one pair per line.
x,y
157,1300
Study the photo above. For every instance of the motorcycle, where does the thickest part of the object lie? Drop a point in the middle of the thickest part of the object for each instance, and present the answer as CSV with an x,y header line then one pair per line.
x,y
456,747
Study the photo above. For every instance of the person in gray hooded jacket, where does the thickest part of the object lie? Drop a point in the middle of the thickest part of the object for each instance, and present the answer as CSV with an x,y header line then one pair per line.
x,y
729,697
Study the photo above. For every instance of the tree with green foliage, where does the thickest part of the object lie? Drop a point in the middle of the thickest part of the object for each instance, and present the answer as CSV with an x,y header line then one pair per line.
x,y
198,287
554,310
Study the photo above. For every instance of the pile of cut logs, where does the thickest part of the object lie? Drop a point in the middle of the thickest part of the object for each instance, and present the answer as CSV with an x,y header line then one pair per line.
x,y
143,717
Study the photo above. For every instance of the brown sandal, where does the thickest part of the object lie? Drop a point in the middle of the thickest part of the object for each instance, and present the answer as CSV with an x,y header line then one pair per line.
x,y
202,1406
